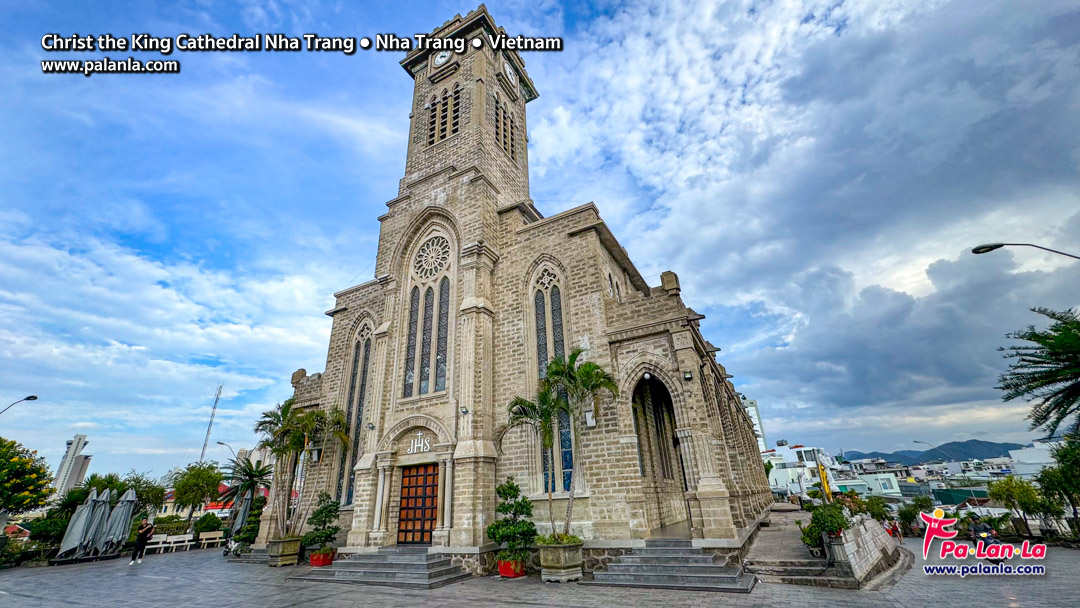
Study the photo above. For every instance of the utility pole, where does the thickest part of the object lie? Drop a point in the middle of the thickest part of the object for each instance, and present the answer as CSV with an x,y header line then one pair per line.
x,y
213,411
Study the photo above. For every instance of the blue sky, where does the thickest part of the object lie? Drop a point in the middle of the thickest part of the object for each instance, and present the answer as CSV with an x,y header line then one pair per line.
x,y
814,171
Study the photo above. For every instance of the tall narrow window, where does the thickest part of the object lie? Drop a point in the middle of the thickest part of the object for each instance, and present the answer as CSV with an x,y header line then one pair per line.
x,y
425,350
348,414
498,122
541,333
430,269
557,467
455,110
357,422
410,350
444,115
444,323
433,120
513,136
506,129
618,292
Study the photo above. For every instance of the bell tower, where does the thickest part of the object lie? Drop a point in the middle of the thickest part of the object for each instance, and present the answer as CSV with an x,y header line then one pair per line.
x,y
468,106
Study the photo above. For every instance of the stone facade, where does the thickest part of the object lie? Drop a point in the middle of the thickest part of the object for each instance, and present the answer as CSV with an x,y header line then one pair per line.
x,y
474,292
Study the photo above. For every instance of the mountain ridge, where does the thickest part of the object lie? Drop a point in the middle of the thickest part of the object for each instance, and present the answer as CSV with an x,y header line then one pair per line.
x,y
958,450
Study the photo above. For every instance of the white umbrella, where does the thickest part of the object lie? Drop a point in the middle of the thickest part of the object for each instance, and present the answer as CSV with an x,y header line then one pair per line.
x,y
76,529
241,515
95,529
118,528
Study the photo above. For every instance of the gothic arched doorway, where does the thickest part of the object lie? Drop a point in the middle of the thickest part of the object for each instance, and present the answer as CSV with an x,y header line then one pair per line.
x,y
664,483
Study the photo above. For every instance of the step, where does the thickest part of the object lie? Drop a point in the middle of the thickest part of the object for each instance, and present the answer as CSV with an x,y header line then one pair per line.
x,y
669,551
433,583
743,585
636,558
835,582
395,558
714,569
667,579
351,573
783,563
668,542
391,565
788,570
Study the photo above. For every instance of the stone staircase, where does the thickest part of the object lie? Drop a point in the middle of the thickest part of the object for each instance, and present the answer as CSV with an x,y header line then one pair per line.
x,y
810,572
673,564
404,567
256,556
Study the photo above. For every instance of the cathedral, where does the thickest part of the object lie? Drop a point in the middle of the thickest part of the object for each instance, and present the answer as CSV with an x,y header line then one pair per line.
x,y
475,291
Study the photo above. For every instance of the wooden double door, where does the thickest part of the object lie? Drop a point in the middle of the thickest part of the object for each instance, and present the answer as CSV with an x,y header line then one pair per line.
x,y
419,504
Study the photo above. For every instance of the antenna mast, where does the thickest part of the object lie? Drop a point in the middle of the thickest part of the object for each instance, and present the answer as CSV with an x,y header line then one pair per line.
x,y
213,411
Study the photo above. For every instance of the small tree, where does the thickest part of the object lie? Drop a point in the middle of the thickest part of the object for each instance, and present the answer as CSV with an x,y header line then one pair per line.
x,y
514,529
582,384
208,523
768,468
875,507
922,503
1014,493
1067,456
540,415
322,522
24,479
828,519
197,485
149,494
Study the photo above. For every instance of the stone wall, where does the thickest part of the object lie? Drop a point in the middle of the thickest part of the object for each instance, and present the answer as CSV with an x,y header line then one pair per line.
x,y
864,550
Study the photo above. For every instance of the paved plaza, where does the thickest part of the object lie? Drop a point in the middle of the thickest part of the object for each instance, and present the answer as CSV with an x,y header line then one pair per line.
x,y
204,578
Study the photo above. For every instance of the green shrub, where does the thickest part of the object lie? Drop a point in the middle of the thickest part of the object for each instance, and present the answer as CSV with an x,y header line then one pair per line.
x,y
518,533
875,507
322,520
250,531
558,539
829,519
48,529
208,523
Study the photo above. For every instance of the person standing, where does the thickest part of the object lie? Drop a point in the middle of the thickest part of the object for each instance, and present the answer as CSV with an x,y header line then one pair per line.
x,y
142,536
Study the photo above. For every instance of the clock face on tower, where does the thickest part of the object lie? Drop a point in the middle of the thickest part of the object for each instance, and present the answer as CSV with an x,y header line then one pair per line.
x,y
510,73
442,58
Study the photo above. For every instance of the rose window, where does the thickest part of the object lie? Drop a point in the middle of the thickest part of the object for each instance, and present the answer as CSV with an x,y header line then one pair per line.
x,y
432,257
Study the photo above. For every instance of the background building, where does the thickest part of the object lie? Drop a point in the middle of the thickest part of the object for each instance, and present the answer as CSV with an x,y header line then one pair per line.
x,y
751,407
73,467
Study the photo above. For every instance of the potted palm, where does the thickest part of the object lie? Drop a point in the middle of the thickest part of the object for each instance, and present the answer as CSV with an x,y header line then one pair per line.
x,y
518,533
295,438
570,388
323,530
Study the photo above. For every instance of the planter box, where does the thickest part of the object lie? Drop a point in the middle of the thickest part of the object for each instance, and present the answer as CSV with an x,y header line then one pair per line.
x,y
560,563
321,559
511,569
283,552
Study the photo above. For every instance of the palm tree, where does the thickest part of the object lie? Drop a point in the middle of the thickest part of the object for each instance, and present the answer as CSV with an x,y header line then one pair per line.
x,y
539,415
246,477
1048,372
292,435
582,384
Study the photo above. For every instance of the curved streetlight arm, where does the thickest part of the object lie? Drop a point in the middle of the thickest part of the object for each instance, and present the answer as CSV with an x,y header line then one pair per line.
x,y
230,448
992,246
26,398
934,447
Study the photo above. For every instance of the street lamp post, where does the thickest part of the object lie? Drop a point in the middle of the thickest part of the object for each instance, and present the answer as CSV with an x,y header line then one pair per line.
x,y
230,448
988,247
26,398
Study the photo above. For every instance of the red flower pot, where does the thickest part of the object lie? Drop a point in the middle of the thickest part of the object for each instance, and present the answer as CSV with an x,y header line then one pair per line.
x,y
321,559
511,569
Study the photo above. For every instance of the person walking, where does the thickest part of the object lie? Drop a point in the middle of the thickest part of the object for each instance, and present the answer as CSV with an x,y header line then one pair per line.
x,y
142,536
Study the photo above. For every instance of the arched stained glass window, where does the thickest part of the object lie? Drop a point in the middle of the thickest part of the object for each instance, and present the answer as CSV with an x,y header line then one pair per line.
x,y
410,349
541,333
348,413
431,266
444,327
358,421
548,311
425,349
